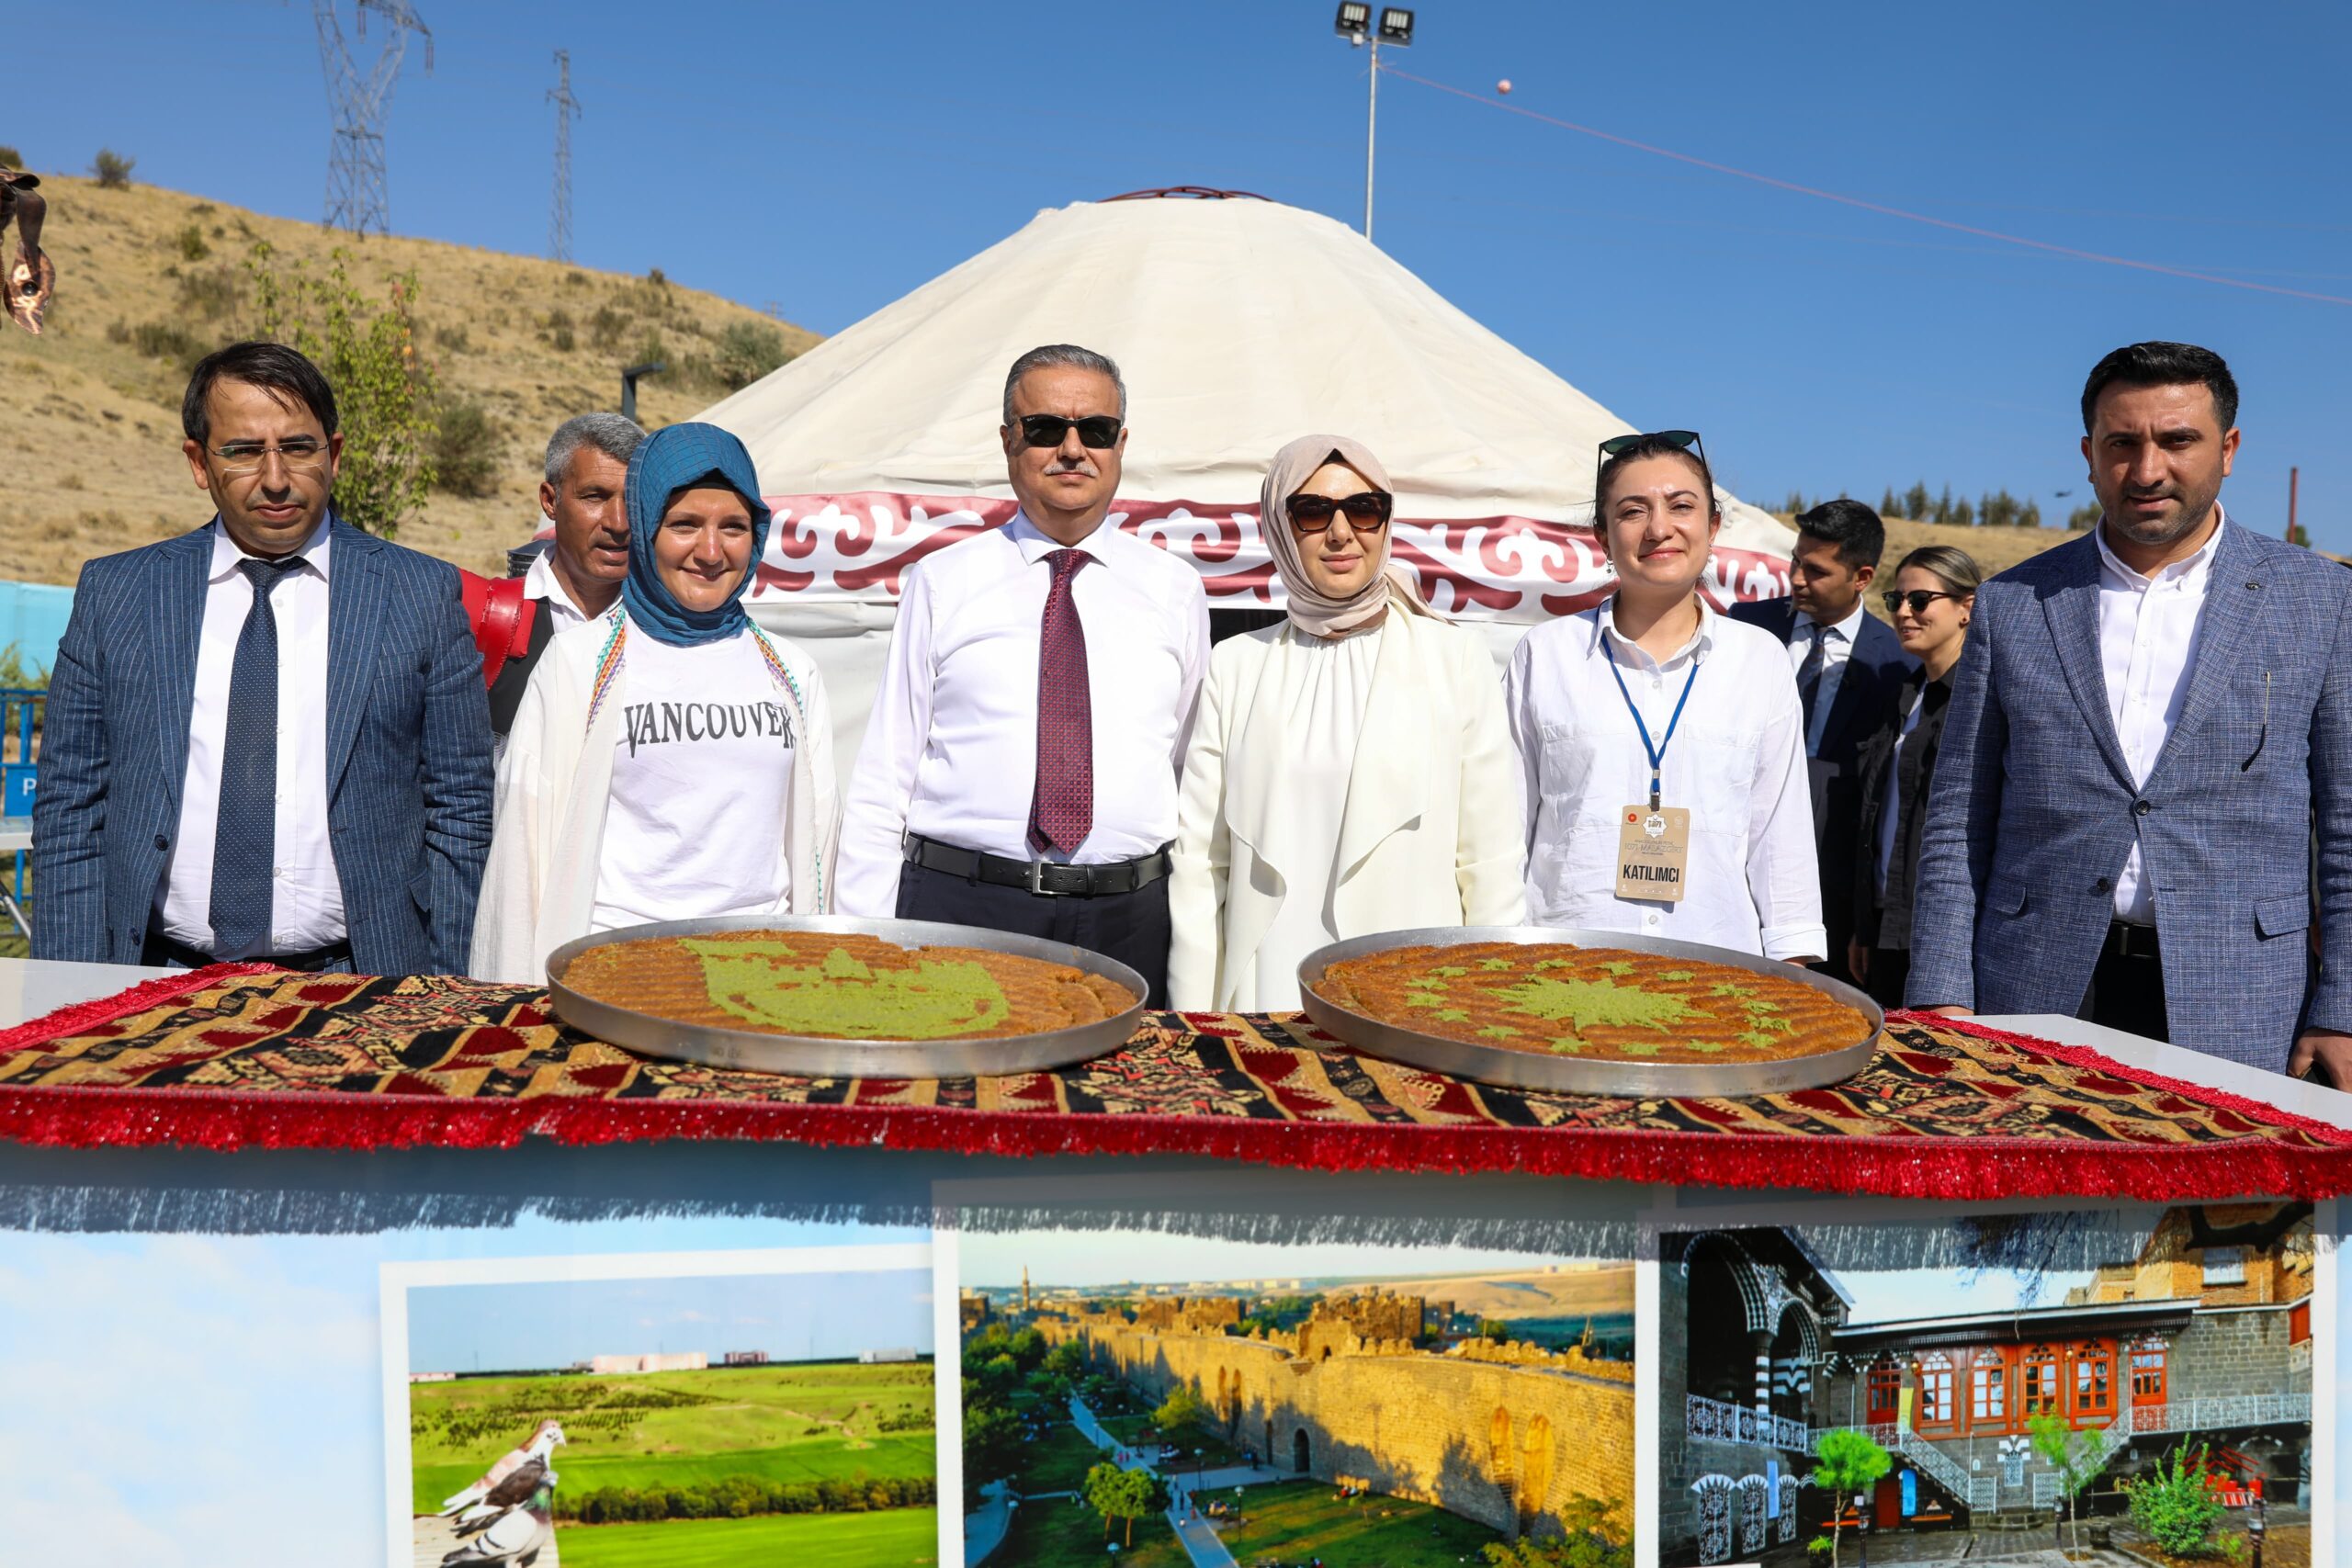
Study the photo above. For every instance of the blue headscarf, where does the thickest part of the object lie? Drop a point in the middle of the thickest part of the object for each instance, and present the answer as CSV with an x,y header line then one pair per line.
x,y
683,457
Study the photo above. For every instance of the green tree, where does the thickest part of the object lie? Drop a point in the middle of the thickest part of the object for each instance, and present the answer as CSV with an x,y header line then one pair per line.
x,y
10,158
1182,1413
1914,501
1888,506
383,392
2073,1454
2174,1505
111,169
1963,514
992,1440
1942,512
2084,516
2030,514
1066,1360
1850,1463
1122,1494
1594,1537
1493,1328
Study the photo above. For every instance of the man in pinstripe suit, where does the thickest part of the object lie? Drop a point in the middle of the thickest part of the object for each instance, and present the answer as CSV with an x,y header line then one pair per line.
x,y
2149,730
266,739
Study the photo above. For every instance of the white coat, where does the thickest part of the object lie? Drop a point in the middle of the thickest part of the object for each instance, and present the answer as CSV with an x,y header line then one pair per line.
x,y
539,889
1430,834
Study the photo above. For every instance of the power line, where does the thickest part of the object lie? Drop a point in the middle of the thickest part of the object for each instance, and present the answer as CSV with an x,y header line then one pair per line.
x,y
1868,205
566,106
356,99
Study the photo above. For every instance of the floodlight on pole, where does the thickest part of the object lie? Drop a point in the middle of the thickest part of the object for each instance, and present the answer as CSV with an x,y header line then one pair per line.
x,y
1354,23
629,384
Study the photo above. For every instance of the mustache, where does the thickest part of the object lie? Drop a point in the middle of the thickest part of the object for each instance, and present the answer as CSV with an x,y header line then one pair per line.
x,y
1082,466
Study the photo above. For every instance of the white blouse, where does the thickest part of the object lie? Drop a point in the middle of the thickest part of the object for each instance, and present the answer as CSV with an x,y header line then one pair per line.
x,y
1737,762
1320,687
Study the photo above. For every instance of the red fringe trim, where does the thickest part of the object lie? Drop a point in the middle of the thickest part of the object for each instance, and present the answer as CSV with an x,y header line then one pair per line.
x,y
1958,1168
73,1019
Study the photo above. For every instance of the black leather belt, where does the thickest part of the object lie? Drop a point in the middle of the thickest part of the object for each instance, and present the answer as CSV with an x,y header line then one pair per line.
x,y
2125,939
1050,878
161,949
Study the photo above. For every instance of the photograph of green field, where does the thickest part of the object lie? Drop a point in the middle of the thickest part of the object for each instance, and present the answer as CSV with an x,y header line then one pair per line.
x,y
573,1418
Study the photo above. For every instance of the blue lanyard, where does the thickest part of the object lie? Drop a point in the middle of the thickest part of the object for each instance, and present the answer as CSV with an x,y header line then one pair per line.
x,y
1656,753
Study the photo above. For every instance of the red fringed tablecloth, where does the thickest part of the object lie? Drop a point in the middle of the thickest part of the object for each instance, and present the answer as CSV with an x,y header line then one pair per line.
x,y
244,1056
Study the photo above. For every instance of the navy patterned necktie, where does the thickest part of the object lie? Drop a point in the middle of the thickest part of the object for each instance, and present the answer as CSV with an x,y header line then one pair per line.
x,y
245,842
1809,678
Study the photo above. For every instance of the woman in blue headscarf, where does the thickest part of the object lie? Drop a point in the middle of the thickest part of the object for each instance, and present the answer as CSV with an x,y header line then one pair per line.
x,y
670,760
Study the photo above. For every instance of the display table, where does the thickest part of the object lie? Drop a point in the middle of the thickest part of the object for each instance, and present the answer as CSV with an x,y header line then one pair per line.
x,y
238,1181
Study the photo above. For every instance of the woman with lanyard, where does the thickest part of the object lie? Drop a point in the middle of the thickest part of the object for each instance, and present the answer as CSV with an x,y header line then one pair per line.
x,y
1661,744
670,760
1934,594
1349,772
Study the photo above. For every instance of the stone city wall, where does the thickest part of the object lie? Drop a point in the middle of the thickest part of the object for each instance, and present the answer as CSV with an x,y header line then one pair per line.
x,y
1506,1444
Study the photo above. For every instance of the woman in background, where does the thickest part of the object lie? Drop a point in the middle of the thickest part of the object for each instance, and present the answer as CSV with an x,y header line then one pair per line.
x,y
1349,771
670,760
1657,735
1934,593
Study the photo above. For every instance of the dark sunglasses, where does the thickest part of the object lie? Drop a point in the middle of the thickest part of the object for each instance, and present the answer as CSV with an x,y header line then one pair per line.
x,y
1098,431
1681,440
1917,598
1367,513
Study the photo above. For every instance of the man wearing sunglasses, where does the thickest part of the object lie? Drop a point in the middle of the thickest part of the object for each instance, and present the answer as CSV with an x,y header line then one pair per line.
x,y
1849,670
1019,771
267,740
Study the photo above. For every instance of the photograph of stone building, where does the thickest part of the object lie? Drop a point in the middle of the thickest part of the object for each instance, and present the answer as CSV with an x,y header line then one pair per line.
x,y
2188,1329
1394,1414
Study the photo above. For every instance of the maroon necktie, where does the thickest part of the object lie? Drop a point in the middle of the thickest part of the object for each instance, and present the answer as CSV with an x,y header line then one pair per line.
x,y
1062,812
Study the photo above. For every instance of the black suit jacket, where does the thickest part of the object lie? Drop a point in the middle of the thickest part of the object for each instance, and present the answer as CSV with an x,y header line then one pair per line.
x,y
1865,707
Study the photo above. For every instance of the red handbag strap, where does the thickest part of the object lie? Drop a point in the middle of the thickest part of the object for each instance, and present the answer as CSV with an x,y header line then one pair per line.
x,y
502,619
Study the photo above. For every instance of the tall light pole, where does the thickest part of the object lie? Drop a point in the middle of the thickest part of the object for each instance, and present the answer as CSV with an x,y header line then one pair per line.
x,y
1355,24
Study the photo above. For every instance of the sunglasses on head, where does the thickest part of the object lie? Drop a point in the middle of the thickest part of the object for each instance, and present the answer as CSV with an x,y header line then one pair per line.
x,y
1917,598
1681,440
1366,513
1098,431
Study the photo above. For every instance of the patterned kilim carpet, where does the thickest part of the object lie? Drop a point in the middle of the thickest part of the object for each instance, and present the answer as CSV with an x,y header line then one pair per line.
x,y
233,1056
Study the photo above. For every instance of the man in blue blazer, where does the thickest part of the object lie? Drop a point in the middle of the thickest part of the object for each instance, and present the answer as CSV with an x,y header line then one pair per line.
x,y
2149,733
1849,670
266,739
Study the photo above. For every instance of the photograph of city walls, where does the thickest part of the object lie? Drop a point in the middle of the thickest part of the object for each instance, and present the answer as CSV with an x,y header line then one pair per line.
x,y
1387,1407
2012,1374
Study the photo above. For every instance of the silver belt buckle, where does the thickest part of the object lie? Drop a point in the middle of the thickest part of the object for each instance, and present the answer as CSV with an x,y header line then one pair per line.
x,y
1037,876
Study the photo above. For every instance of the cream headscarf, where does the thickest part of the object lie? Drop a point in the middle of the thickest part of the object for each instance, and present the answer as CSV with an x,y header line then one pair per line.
x,y
1310,612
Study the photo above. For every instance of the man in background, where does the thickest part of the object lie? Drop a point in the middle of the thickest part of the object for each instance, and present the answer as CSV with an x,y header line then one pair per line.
x,y
31,278
1019,771
2150,731
266,738
578,575
1849,670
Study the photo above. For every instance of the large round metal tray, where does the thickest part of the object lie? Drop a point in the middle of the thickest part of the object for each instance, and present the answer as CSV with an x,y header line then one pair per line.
x,y
1568,1074
815,1056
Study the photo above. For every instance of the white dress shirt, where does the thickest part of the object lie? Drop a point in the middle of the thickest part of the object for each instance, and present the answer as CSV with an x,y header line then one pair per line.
x,y
306,901
541,582
1736,762
2148,628
1837,646
951,750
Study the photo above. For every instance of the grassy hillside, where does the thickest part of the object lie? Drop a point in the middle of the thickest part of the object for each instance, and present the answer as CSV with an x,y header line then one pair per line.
x,y
901,1538
148,279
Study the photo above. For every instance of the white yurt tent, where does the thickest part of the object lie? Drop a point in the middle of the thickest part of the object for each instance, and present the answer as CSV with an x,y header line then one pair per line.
x,y
1238,324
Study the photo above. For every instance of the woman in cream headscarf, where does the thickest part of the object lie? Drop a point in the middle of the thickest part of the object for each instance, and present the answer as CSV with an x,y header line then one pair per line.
x,y
1350,770
670,760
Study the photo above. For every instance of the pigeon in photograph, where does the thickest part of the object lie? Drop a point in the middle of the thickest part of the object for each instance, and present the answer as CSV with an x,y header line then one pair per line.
x,y
516,1536
521,1481
542,1442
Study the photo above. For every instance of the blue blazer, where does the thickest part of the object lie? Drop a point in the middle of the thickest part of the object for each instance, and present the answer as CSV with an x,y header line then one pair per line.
x,y
2033,813
408,773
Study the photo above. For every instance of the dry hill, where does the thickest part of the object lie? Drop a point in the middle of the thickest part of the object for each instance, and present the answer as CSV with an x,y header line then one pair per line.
x,y
149,278
1568,1293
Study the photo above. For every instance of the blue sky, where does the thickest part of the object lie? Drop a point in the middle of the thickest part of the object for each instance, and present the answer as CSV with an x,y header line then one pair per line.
x,y
793,1317
1108,1258
830,158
